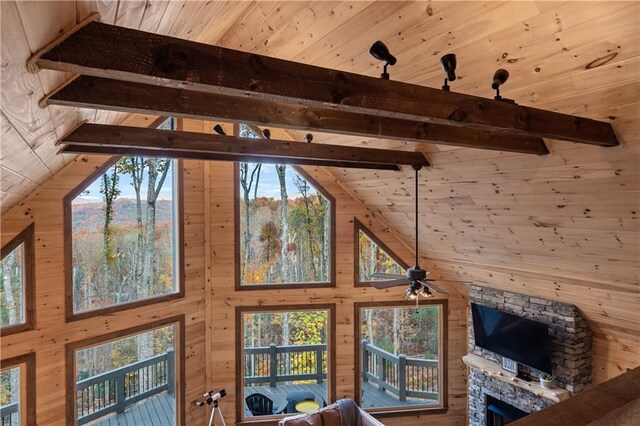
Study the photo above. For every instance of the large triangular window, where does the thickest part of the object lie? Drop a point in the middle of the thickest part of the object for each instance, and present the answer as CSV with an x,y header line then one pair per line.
x,y
285,225
122,235
372,255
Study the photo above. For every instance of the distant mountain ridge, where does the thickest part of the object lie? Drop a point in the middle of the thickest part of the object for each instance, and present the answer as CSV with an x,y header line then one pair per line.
x,y
90,216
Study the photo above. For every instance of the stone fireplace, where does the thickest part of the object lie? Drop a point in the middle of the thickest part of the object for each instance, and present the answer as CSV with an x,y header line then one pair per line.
x,y
570,338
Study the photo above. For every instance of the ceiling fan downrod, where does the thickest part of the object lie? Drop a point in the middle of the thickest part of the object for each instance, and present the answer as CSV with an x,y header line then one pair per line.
x,y
417,169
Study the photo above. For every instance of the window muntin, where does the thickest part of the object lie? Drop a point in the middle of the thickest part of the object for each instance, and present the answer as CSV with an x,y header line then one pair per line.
x,y
127,375
282,242
16,283
125,234
373,256
285,366
408,365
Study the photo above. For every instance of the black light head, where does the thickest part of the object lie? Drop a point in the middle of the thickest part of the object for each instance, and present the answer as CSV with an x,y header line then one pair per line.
x,y
449,63
499,78
380,51
218,129
266,133
309,137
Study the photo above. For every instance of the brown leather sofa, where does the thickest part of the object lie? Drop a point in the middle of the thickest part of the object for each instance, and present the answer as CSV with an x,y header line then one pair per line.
x,y
343,412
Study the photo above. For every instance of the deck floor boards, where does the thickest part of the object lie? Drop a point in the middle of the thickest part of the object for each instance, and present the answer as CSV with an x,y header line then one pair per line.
x,y
156,410
372,397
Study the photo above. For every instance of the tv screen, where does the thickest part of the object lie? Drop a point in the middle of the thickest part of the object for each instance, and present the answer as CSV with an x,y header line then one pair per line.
x,y
520,339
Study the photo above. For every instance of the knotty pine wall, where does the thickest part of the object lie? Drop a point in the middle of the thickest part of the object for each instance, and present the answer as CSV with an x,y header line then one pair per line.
x,y
210,297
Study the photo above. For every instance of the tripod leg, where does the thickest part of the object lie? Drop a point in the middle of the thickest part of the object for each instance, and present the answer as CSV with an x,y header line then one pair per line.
x,y
212,419
221,417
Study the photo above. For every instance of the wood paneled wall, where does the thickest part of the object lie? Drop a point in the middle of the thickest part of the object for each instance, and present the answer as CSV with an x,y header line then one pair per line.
x,y
210,298
44,208
224,297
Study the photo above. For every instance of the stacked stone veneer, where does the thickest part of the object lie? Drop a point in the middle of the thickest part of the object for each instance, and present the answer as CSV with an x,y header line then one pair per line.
x,y
570,339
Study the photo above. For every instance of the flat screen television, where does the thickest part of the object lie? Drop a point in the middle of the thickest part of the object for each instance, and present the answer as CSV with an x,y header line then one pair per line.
x,y
520,339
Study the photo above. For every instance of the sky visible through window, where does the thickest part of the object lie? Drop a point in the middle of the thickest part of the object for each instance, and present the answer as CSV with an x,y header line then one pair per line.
x,y
92,193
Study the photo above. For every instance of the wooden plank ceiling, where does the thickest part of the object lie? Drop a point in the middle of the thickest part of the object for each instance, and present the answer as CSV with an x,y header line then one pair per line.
x,y
563,225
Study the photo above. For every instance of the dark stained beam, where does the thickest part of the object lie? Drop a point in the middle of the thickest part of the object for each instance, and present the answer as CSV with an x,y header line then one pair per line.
x,y
202,146
95,92
120,53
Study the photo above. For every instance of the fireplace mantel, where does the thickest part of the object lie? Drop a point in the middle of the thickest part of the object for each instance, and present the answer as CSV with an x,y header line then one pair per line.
x,y
493,369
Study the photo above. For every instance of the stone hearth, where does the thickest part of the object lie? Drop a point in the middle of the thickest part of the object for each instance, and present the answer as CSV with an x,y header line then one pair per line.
x,y
570,338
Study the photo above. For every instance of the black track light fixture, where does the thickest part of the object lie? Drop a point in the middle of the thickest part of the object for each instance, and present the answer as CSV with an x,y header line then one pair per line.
x,y
309,138
219,130
266,133
380,51
449,63
499,78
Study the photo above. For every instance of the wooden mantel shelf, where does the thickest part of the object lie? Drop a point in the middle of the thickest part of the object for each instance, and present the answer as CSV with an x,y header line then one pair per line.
x,y
493,369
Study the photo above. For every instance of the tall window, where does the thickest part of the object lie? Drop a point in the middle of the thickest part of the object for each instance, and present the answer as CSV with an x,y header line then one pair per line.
x,y
16,283
10,410
284,225
373,256
17,391
285,361
130,380
125,230
401,356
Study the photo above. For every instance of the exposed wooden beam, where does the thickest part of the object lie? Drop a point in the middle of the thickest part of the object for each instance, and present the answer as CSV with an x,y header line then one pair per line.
x,y
179,144
121,53
101,93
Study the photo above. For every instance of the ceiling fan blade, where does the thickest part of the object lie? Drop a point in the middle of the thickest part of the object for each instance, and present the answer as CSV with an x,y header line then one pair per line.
x,y
386,276
433,287
380,285
448,281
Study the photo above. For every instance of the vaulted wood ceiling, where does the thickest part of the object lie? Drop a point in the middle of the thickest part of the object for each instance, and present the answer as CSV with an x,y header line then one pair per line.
x,y
563,225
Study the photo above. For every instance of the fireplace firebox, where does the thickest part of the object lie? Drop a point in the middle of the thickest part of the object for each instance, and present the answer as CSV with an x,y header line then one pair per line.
x,y
500,413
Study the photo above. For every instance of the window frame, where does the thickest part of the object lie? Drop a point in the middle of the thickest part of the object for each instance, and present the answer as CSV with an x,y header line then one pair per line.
x,y
357,227
70,362
443,406
330,308
27,385
237,238
25,237
70,315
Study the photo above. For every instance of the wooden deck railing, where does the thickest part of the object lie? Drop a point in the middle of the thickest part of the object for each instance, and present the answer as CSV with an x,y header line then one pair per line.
x,y
114,390
273,364
400,375
10,414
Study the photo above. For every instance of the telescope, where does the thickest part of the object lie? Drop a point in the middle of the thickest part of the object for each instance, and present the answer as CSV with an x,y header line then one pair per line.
x,y
211,397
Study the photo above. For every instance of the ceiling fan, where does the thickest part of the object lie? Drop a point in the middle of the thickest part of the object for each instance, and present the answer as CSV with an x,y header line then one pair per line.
x,y
416,277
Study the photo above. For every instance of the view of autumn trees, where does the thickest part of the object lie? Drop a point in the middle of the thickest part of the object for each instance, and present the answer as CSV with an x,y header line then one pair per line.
x,y
410,331
10,391
293,328
12,288
373,259
119,353
284,225
123,247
